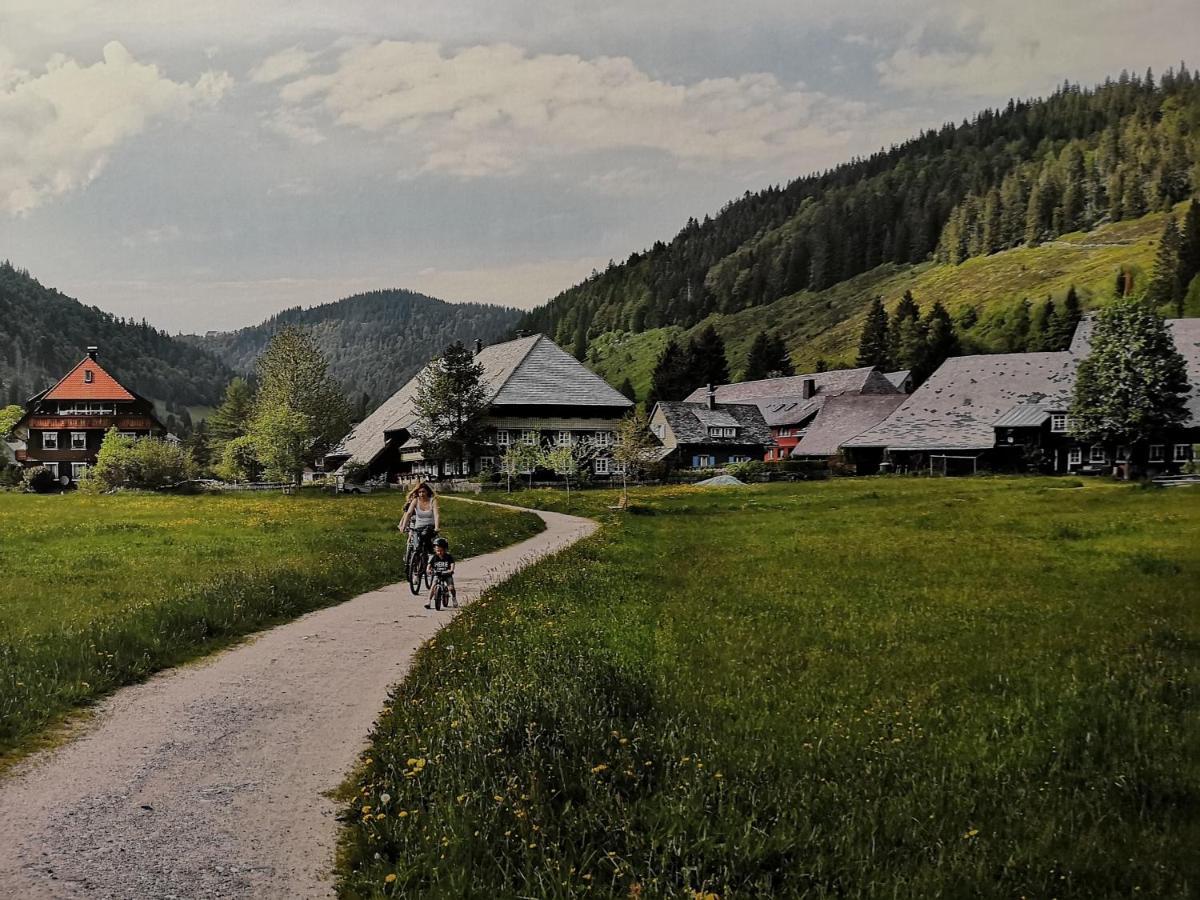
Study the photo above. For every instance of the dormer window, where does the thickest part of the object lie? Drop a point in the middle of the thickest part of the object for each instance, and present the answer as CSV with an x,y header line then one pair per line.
x,y
88,376
721,431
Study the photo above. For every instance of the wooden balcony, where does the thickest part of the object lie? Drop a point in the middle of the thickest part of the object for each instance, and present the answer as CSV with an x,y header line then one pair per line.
x,y
89,423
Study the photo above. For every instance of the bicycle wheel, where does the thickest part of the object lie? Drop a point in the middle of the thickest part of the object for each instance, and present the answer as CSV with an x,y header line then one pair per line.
x,y
416,569
438,592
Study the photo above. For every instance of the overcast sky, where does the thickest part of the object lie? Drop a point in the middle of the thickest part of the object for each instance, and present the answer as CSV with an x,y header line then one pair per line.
x,y
204,166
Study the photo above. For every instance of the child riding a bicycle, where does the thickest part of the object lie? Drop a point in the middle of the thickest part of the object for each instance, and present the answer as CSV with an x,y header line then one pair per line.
x,y
441,567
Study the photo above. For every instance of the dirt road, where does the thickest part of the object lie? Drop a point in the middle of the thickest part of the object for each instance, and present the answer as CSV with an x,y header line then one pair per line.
x,y
210,780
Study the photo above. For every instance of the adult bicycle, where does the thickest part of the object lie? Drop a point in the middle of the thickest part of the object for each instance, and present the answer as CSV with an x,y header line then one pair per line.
x,y
416,561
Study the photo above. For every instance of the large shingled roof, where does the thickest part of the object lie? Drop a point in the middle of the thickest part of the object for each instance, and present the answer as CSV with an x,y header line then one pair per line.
x,y
689,422
837,381
842,418
958,406
530,371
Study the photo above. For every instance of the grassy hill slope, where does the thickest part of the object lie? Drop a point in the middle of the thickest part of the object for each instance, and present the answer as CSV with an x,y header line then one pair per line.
x,y
826,324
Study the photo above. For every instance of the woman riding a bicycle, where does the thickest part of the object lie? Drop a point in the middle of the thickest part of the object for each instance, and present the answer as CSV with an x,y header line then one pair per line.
x,y
421,515
421,520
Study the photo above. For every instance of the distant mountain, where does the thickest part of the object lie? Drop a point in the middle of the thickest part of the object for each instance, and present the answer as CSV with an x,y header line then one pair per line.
x,y
43,333
818,248
374,341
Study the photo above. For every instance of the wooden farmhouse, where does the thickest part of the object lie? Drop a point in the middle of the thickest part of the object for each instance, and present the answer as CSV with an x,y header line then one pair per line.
x,y
63,427
1010,412
537,391
790,406
708,434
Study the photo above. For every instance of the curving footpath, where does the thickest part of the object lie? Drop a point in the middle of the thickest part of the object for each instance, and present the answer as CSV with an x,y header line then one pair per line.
x,y
211,780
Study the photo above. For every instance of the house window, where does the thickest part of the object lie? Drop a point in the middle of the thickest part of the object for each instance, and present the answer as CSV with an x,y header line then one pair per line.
x,y
487,462
660,430
563,438
529,437
604,438
1075,456
1097,455
51,467
1183,452
501,438
1058,422
77,470
603,465
78,440
703,461
739,459
618,468
88,376
721,431
49,440
1156,452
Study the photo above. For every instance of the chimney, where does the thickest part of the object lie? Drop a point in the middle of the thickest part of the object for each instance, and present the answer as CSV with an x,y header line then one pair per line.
x,y
712,397
478,346
808,387
92,351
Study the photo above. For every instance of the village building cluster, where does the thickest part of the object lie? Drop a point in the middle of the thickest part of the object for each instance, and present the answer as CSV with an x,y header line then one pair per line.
x,y
995,412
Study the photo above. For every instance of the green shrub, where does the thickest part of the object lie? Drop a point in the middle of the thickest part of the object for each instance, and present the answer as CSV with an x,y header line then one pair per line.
x,y
39,479
746,470
127,462
239,461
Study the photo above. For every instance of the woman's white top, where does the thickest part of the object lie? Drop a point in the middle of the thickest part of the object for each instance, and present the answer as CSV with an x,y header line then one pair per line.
x,y
422,518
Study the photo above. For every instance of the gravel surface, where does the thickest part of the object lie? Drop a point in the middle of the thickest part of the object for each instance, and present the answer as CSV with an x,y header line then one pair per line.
x,y
210,780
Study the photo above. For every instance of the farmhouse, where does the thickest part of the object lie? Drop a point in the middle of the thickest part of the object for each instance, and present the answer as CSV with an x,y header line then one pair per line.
x,y
537,391
63,427
708,434
842,418
790,405
1009,411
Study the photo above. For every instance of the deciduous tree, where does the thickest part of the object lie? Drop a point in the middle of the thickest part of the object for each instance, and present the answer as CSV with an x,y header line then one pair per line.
x,y
1133,384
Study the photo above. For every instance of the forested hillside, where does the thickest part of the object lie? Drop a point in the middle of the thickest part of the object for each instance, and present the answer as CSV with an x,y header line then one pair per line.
x,y
43,333
997,302
374,341
1019,177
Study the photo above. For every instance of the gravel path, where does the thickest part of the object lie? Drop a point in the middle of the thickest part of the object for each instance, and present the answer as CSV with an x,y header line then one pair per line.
x,y
210,780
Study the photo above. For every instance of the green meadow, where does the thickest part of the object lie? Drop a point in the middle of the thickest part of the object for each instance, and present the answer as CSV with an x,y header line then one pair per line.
x,y
101,591
856,688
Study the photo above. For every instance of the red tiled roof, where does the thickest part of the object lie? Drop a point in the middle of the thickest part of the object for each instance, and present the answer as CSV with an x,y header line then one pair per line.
x,y
78,385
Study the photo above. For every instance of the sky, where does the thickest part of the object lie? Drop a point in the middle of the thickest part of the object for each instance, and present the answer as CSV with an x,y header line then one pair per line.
x,y
204,165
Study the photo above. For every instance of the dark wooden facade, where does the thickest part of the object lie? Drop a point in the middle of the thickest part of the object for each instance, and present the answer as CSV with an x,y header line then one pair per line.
x,y
64,426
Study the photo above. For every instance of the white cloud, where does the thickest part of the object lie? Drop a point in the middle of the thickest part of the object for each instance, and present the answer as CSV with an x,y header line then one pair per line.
x,y
58,128
1025,47
495,109
284,64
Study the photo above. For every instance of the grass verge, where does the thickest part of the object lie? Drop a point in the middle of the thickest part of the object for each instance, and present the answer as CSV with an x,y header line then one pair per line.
x,y
859,688
103,591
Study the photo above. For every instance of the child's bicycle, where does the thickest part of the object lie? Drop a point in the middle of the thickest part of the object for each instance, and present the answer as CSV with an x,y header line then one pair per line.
x,y
440,598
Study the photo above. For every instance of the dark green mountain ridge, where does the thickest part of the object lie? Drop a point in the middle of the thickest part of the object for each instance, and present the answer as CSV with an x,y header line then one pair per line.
x,y
43,333
374,341
1020,177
